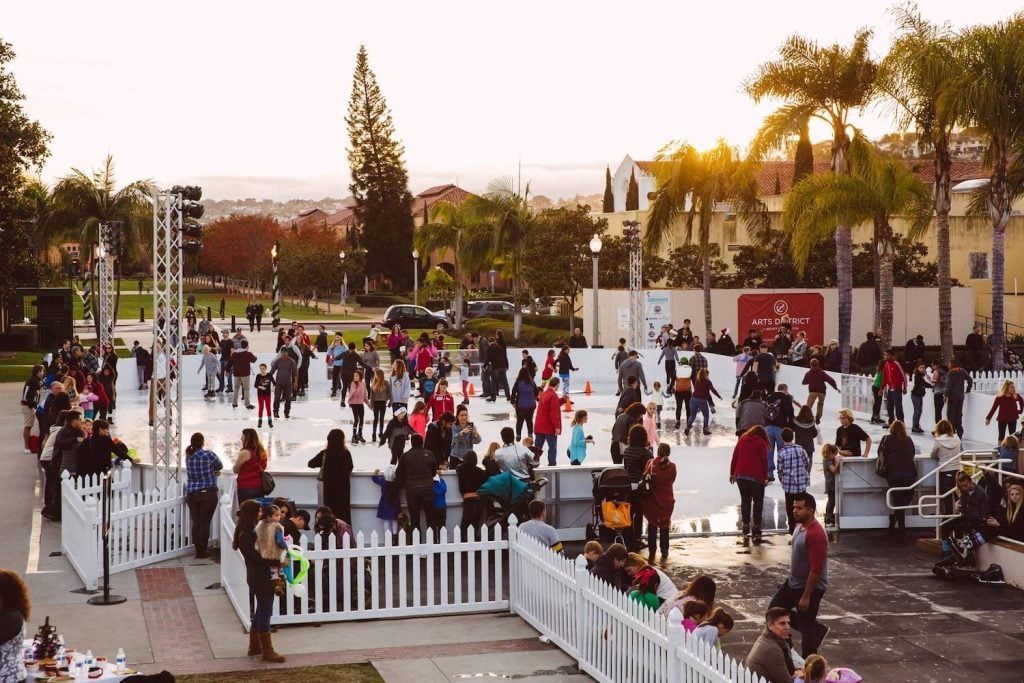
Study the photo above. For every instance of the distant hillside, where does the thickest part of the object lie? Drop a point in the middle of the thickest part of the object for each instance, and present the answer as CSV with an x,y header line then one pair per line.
x,y
540,202
283,211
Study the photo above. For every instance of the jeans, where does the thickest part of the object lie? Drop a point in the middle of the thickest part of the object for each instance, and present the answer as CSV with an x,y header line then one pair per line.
x,y
637,519
472,509
1006,428
751,503
918,403
670,374
830,502
335,374
225,376
241,385
346,379
564,379
790,497
876,404
201,506
938,400
894,404
211,380
682,399
420,500
552,441
774,444
811,631
380,409
736,388
260,620
249,494
899,499
524,416
955,414
499,380
358,409
816,397
283,392
698,404
947,481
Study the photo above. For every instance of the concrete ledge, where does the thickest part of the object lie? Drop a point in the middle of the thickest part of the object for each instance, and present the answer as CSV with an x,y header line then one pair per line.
x,y
1007,555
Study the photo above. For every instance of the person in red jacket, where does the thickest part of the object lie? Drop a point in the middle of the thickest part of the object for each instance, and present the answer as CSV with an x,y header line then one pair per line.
x,y
749,471
441,401
894,386
817,381
548,423
1010,406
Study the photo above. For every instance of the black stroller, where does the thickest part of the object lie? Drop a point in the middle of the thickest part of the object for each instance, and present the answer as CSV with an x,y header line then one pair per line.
x,y
612,522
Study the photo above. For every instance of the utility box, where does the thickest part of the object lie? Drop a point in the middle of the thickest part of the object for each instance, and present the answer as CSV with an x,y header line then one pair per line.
x,y
51,309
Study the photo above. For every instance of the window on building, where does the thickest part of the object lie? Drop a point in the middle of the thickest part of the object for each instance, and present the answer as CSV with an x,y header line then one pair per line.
x,y
977,265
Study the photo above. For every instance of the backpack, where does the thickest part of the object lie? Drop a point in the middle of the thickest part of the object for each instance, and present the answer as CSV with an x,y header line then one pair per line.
x,y
772,410
683,384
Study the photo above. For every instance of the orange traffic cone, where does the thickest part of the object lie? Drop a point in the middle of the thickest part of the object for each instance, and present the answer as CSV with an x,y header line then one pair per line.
x,y
586,388
472,391
568,405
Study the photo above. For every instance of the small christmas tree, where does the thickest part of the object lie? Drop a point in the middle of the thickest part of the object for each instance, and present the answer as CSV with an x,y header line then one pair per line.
x,y
45,641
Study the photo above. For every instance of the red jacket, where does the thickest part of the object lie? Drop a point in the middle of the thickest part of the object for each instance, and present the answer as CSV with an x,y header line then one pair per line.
x,y
549,417
440,404
816,378
1010,408
750,459
893,376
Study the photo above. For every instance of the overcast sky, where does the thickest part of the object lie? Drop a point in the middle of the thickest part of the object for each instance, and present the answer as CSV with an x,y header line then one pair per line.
x,y
248,98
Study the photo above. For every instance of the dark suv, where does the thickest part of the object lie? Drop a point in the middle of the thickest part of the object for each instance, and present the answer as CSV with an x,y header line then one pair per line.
x,y
413,317
499,310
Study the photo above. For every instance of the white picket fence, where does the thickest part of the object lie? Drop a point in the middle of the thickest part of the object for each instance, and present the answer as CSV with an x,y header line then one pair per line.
x,y
145,526
383,576
614,638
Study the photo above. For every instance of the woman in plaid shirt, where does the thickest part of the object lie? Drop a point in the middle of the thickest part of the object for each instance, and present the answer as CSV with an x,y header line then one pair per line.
x,y
202,468
794,471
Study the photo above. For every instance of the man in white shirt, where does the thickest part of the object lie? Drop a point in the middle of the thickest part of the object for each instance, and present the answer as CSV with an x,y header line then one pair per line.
x,y
537,528
513,457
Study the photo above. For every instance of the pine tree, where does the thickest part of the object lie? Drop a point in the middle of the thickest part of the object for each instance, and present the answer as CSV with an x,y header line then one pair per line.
x,y
609,199
632,193
380,182
803,160
45,642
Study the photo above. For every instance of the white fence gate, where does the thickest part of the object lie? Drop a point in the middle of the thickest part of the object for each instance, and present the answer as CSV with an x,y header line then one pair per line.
x,y
145,527
614,638
383,576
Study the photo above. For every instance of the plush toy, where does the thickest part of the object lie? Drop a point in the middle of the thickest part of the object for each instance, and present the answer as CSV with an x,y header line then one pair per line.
x,y
296,581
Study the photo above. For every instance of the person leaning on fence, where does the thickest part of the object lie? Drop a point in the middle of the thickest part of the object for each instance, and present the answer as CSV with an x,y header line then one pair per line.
x,y
536,527
249,465
257,576
202,467
714,627
415,474
896,465
610,567
96,452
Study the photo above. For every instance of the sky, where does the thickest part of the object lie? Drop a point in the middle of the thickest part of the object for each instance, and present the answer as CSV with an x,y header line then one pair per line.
x,y
248,99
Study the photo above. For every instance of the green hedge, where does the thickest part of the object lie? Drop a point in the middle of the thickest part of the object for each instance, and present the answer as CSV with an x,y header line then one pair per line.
x,y
551,322
530,335
381,300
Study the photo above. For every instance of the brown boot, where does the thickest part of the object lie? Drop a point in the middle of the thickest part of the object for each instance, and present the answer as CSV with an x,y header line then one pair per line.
x,y
268,649
254,643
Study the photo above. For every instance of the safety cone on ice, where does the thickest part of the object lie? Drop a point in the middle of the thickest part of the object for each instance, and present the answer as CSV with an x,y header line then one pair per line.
x,y
568,405
586,388
472,391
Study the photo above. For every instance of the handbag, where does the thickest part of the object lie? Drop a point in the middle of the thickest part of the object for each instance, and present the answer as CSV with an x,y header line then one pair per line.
x,y
267,482
881,469
646,484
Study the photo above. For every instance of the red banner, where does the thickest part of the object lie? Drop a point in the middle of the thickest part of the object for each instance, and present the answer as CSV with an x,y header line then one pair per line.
x,y
765,312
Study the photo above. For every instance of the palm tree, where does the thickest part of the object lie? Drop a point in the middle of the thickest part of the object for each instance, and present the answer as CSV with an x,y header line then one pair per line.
x,y
689,185
509,223
39,198
921,61
989,93
455,227
824,83
877,189
81,202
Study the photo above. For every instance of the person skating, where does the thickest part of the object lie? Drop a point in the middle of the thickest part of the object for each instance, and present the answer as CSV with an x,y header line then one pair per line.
x,y
263,384
284,372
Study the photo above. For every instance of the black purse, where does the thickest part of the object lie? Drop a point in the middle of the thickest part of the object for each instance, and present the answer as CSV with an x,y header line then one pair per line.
x,y
267,482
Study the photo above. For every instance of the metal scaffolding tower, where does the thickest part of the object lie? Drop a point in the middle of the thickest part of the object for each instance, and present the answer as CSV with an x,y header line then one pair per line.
x,y
105,255
631,231
165,389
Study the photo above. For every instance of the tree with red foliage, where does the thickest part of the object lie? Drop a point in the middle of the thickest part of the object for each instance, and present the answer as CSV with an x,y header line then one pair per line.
x,y
239,246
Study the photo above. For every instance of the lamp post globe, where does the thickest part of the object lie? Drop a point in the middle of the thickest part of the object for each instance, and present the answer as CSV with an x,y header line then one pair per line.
x,y
595,249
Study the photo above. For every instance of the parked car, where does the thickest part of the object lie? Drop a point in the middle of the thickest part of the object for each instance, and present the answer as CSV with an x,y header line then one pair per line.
x,y
500,310
413,317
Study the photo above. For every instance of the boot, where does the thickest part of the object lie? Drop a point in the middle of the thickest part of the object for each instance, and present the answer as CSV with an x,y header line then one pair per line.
x,y
259,423
892,525
663,534
757,535
254,643
745,541
268,649
651,545
270,422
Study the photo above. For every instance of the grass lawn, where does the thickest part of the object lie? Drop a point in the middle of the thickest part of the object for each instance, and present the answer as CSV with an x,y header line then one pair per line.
x,y
234,305
15,366
329,673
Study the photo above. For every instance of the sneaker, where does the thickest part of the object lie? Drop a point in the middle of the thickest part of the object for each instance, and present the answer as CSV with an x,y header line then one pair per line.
x,y
234,405
25,450
270,424
917,430
707,432
686,431
251,407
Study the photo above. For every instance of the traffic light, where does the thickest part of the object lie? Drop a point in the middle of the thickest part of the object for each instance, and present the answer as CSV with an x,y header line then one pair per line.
x,y
191,209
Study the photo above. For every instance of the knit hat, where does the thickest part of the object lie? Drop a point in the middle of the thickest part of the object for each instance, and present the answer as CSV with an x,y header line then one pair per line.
x,y
725,331
400,412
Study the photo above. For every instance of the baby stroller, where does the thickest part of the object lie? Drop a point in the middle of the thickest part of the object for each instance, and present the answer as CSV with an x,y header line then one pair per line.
x,y
612,522
504,495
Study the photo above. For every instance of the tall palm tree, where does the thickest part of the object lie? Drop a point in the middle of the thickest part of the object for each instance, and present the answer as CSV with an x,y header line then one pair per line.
x,y
877,189
824,83
920,62
988,93
509,222
456,227
689,185
81,202
40,200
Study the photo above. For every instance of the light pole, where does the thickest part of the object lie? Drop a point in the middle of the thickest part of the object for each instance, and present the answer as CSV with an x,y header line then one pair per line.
x,y
631,231
344,278
275,311
415,277
595,249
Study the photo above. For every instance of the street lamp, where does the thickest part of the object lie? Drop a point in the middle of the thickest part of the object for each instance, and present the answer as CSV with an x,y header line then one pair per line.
x,y
595,249
415,277
492,272
344,278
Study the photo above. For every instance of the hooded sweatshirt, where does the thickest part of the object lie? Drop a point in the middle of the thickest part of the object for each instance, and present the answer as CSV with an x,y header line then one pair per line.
x,y
947,451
